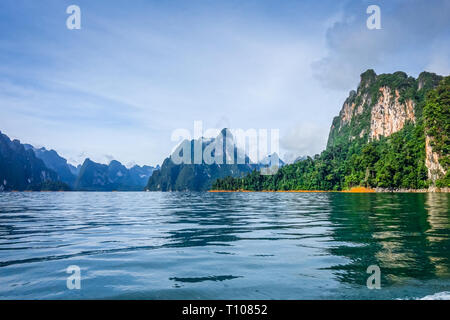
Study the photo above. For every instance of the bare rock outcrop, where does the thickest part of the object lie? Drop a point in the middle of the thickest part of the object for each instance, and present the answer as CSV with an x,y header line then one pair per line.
x,y
435,170
389,115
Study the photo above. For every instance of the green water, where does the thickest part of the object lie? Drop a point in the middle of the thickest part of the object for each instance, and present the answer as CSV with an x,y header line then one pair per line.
x,y
224,246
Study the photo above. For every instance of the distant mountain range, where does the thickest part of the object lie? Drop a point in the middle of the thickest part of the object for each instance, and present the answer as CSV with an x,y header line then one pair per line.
x,y
115,176
24,167
272,159
392,133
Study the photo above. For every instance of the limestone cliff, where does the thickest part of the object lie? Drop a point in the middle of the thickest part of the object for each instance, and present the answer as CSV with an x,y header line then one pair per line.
x,y
436,119
392,134
389,115
435,169
381,106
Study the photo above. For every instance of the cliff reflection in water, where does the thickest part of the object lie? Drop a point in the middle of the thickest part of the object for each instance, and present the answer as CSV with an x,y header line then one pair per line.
x,y
192,245
406,235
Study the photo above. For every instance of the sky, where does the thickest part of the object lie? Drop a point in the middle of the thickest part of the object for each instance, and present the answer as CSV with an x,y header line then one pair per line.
x,y
137,70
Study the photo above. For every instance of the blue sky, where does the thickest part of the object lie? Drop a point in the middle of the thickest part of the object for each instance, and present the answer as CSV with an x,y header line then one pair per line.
x,y
137,70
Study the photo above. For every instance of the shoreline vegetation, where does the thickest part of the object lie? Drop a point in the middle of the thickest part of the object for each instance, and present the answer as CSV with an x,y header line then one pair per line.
x,y
352,190
391,135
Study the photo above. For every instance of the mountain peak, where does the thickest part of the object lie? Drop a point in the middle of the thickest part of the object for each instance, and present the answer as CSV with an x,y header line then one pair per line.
x,y
382,105
21,169
368,77
226,133
115,163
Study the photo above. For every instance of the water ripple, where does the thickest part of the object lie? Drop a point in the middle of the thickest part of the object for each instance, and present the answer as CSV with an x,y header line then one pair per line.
x,y
278,245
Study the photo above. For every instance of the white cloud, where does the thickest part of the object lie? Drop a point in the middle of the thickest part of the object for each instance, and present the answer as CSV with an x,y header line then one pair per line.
x,y
123,87
409,31
304,139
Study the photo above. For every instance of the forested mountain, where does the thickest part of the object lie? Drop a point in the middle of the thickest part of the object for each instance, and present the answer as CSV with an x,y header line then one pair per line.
x,y
187,175
55,162
393,132
21,170
112,177
24,167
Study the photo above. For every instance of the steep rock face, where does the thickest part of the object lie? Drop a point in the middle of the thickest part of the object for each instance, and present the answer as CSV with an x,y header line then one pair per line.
x,y
98,177
113,177
388,115
189,176
21,170
55,162
382,105
435,169
348,109
436,116
392,134
354,118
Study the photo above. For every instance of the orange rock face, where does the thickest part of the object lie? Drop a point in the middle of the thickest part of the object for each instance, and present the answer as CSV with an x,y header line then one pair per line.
x,y
389,115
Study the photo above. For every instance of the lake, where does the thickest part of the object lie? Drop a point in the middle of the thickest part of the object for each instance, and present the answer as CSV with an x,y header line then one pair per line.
x,y
145,245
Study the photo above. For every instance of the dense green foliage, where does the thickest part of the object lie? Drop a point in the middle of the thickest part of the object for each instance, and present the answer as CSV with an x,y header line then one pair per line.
x,y
49,186
437,125
393,162
351,160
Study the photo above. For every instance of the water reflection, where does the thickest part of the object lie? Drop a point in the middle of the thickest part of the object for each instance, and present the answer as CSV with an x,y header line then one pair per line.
x,y
406,235
437,235
231,245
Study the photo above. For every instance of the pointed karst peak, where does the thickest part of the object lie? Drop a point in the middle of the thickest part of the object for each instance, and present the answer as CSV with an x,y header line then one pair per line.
x,y
274,154
368,77
87,161
428,80
226,133
351,96
114,163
